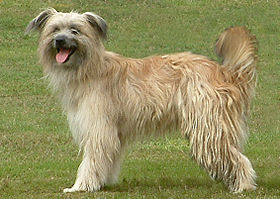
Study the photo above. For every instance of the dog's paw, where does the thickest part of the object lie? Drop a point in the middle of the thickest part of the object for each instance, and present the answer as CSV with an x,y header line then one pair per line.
x,y
70,190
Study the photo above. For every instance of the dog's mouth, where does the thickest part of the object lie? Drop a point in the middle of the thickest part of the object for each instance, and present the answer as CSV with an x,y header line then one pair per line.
x,y
64,54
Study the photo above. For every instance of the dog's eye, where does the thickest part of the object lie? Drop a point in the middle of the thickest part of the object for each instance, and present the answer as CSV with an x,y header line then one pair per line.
x,y
75,31
56,29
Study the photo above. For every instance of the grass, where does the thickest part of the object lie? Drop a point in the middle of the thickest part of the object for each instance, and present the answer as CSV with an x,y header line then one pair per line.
x,y
38,157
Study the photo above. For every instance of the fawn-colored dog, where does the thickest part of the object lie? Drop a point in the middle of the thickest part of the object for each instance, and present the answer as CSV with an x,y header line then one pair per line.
x,y
110,99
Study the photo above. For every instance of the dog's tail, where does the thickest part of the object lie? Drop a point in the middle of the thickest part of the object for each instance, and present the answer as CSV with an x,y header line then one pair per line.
x,y
238,49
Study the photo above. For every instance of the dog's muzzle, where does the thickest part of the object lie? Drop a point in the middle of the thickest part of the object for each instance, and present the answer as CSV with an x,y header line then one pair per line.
x,y
65,47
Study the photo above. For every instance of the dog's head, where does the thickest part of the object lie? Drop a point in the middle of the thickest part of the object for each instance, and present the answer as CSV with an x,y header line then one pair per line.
x,y
68,39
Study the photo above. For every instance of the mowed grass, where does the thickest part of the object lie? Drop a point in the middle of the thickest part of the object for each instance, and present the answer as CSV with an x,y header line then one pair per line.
x,y
37,155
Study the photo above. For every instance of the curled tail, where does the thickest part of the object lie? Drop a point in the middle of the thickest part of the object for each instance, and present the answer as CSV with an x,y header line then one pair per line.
x,y
237,47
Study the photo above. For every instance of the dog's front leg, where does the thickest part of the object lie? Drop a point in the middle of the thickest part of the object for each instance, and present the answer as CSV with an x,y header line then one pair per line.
x,y
101,157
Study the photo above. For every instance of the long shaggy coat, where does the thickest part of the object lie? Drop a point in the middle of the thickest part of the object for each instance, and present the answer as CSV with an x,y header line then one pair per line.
x,y
110,99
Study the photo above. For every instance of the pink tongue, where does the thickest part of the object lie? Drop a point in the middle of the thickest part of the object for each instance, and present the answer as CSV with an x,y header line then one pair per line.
x,y
62,55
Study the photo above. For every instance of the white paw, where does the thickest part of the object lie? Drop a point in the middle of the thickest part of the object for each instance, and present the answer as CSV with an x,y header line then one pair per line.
x,y
69,190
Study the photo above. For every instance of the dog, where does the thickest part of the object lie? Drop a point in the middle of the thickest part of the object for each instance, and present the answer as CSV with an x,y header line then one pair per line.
x,y
110,100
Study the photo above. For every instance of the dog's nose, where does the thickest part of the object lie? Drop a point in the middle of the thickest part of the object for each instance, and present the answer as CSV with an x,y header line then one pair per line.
x,y
60,41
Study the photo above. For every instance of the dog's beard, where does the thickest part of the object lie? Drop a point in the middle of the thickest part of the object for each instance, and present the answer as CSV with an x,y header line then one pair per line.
x,y
65,46
65,57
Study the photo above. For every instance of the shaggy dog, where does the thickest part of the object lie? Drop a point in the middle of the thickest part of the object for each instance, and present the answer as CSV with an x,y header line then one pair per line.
x,y
110,99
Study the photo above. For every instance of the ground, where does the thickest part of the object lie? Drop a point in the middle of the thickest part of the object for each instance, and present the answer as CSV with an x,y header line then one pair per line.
x,y
38,157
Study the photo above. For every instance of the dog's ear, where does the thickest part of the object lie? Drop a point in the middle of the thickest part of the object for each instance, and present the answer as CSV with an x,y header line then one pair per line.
x,y
39,22
97,21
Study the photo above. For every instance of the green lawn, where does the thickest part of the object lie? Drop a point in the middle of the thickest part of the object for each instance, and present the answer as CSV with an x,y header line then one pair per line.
x,y
37,155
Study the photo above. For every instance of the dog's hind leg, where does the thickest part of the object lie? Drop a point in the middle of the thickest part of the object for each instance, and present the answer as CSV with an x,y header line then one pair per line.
x,y
241,175
113,176
100,160
216,137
